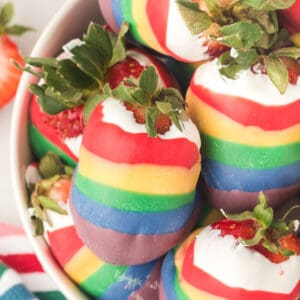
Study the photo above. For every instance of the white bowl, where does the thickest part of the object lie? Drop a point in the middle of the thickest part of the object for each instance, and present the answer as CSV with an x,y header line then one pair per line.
x,y
70,22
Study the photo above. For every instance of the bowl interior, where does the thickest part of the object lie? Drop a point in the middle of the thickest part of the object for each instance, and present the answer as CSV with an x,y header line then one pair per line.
x,y
69,22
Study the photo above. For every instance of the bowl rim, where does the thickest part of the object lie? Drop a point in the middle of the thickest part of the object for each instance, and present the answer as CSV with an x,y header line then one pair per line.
x,y
86,11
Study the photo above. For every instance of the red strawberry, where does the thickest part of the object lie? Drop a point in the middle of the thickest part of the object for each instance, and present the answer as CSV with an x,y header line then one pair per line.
x,y
49,128
290,18
215,49
60,190
124,69
162,124
239,229
67,124
260,233
10,75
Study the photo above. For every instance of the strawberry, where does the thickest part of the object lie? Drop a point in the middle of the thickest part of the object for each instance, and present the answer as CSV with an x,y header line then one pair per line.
x,y
239,257
162,123
67,124
60,190
242,102
10,75
49,183
121,70
57,114
260,232
139,142
290,18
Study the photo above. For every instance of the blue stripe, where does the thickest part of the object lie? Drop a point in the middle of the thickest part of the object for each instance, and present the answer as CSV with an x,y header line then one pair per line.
x,y
131,222
130,281
117,11
224,177
17,292
168,276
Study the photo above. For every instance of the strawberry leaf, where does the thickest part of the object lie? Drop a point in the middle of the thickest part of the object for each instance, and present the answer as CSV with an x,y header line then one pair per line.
x,y
75,77
119,48
49,104
277,72
90,105
48,203
269,4
246,215
146,94
262,213
260,234
98,38
234,61
50,165
39,227
164,107
196,20
286,252
151,117
148,81
17,29
292,52
6,14
42,61
213,6
240,35
91,61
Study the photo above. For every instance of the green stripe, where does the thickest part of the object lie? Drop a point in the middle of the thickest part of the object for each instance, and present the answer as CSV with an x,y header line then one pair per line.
x,y
179,292
51,295
102,279
128,17
130,201
3,268
40,145
249,157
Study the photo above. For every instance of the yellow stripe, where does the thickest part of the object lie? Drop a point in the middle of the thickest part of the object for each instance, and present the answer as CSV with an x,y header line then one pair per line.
x,y
194,293
189,290
82,265
143,26
143,178
216,124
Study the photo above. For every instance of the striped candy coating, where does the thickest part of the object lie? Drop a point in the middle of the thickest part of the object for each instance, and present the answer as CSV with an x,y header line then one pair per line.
x,y
158,25
138,193
249,144
182,278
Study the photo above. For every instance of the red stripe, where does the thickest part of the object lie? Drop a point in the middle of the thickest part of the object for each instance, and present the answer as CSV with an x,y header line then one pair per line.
x,y
113,143
203,281
64,244
157,13
22,263
250,113
45,130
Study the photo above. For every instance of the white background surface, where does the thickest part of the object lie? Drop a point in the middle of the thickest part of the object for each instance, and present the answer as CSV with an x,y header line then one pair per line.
x,y
35,14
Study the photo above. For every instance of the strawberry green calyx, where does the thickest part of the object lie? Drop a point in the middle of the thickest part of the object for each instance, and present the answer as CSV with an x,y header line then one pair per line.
x,y
145,94
72,81
6,15
53,173
268,230
249,28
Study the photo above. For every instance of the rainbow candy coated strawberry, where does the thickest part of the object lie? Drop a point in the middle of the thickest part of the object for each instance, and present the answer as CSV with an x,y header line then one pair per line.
x,y
247,256
246,106
134,191
160,25
57,115
79,262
